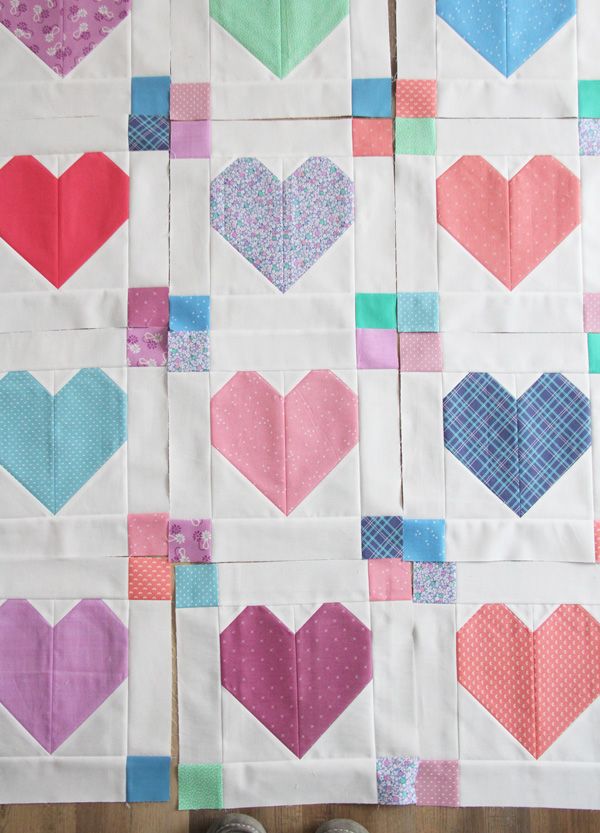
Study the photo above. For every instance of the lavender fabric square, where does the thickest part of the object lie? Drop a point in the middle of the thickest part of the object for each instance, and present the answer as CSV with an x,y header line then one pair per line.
x,y
190,140
146,347
396,780
189,352
190,540
377,349
434,583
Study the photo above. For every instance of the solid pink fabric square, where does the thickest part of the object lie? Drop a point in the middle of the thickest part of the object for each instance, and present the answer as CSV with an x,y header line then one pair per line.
x,y
420,352
190,140
437,783
190,102
148,306
372,137
416,98
147,533
390,580
377,349
591,312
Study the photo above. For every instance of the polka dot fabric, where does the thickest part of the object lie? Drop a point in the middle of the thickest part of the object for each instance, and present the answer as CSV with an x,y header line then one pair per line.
x,y
190,102
389,580
438,783
372,137
147,533
420,352
416,98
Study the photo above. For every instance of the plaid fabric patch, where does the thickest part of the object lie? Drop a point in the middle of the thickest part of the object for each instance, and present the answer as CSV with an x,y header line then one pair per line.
x,y
518,448
381,536
148,133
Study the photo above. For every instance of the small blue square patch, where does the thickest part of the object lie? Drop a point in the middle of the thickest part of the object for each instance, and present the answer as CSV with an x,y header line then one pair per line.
x,y
189,312
418,312
424,540
372,97
150,95
196,585
148,778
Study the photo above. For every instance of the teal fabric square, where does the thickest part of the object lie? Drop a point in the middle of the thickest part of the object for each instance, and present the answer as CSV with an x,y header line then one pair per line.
x,y
372,97
150,95
424,540
148,778
418,312
196,585
189,313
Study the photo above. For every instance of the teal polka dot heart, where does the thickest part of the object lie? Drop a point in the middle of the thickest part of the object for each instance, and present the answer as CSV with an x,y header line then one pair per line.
x,y
53,444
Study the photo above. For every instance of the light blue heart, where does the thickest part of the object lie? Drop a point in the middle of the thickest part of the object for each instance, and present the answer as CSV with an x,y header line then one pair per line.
x,y
53,444
506,32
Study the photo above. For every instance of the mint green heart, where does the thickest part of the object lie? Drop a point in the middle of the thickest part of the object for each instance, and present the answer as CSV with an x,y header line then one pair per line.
x,y
280,33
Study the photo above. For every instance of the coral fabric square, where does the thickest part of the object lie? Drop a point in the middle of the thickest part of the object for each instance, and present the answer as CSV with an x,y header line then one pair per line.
x,y
438,783
377,349
420,352
148,307
389,580
190,102
147,533
190,140
416,98
591,312
149,578
146,347
372,137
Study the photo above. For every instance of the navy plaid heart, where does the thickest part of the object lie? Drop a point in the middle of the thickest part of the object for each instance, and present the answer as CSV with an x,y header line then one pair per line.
x,y
518,448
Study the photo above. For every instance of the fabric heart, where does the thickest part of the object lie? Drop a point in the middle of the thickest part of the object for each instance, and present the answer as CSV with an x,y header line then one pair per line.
x,y
298,684
61,36
518,448
53,678
506,32
282,228
286,445
53,444
509,226
279,33
57,224
535,683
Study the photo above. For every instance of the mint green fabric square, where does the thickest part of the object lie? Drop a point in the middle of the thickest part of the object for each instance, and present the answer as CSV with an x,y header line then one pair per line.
x,y
200,786
196,585
415,137
376,311
589,99
594,352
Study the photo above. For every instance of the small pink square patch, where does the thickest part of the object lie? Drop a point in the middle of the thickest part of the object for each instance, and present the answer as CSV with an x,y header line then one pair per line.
x,y
190,540
390,580
437,783
149,578
190,102
146,347
420,352
377,349
591,312
416,98
148,306
190,140
372,137
147,533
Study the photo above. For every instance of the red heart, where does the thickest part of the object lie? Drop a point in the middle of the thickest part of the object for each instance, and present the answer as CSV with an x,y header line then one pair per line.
x,y
535,683
509,226
56,224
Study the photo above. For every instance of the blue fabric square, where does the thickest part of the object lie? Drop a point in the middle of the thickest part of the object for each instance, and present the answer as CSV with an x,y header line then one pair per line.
x,y
424,540
148,133
381,536
372,97
418,312
196,585
189,313
148,778
150,95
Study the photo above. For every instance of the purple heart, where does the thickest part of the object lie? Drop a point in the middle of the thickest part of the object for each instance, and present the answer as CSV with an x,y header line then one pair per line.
x,y
282,228
53,678
296,684
60,34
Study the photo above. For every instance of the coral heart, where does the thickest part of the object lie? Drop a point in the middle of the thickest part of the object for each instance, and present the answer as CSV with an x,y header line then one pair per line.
x,y
506,32
57,223
296,684
509,226
284,445
518,448
61,36
282,228
279,33
54,678
535,683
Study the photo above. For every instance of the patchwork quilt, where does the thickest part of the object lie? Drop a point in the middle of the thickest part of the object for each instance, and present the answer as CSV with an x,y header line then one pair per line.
x,y
300,335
